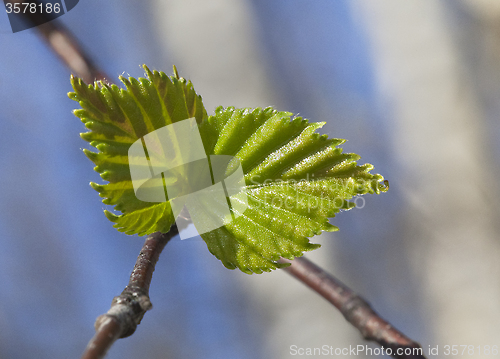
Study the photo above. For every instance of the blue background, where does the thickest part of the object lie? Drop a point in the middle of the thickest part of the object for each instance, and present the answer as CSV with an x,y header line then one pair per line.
x,y
61,262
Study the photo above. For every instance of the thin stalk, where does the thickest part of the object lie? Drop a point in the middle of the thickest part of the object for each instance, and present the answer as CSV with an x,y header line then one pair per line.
x,y
128,309
354,308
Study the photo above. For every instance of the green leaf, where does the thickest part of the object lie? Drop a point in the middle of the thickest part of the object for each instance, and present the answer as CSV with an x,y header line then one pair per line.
x,y
118,117
295,178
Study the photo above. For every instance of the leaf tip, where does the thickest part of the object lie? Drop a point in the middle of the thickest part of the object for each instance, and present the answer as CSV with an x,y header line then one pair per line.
x,y
149,74
99,188
111,216
382,185
73,96
283,265
176,74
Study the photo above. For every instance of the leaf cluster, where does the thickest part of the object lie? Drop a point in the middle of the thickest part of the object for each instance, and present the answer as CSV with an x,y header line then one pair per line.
x,y
295,178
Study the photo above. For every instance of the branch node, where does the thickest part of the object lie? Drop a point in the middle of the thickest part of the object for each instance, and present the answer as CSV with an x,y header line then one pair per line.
x,y
128,309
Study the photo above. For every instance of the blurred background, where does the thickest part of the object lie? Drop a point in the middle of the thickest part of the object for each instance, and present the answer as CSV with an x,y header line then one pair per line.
x,y
413,85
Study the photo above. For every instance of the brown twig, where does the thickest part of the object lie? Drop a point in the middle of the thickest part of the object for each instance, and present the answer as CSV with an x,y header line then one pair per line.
x,y
128,308
355,309
64,44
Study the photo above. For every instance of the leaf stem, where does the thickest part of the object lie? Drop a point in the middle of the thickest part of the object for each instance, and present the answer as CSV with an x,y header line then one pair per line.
x,y
354,308
128,309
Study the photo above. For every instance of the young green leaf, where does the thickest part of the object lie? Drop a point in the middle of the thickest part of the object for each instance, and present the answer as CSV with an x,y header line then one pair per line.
x,y
295,179
118,117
